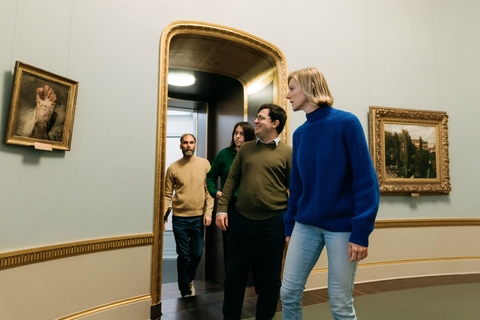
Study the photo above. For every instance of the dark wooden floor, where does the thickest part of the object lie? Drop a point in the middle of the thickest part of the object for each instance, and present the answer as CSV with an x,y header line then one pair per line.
x,y
207,303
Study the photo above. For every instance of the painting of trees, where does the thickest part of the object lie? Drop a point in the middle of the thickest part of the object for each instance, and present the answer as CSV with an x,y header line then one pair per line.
x,y
409,150
407,157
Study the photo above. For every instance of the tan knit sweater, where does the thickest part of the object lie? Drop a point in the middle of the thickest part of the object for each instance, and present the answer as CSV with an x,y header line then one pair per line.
x,y
187,178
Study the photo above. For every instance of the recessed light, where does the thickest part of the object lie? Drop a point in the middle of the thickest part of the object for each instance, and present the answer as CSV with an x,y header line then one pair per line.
x,y
181,79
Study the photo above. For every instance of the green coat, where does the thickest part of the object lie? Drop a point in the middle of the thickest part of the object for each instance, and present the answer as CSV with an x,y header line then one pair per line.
x,y
220,168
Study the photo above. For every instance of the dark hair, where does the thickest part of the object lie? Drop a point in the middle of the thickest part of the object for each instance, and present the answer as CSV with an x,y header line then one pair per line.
x,y
275,113
187,134
248,132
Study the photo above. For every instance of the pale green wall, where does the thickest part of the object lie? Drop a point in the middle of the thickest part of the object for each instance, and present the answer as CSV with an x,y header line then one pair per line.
x,y
420,54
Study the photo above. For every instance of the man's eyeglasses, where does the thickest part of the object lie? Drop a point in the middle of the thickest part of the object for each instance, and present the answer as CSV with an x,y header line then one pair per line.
x,y
260,118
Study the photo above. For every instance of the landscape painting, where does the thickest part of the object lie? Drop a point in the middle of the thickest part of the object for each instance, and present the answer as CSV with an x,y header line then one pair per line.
x,y
409,150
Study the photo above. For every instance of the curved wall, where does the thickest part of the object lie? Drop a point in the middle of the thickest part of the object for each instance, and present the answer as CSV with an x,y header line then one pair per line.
x,y
56,289
418,54
413,250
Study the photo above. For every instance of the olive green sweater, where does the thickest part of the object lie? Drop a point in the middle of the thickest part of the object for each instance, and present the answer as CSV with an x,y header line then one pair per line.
x,y
261,172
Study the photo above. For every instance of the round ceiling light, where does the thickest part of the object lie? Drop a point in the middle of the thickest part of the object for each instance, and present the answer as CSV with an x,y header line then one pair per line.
x,y
181,79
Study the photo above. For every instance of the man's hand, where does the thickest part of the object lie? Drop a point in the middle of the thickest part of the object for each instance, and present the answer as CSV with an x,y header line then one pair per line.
x,y
207,220
219,194
357,252
222,221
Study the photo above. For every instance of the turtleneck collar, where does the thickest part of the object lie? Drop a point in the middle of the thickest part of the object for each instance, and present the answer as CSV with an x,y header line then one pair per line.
x,y
319,114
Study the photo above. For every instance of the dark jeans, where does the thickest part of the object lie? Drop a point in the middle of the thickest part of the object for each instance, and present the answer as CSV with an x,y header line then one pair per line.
x,y
188,234
257,244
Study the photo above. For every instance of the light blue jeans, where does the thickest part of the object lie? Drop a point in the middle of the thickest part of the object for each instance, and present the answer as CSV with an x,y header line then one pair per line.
x,y
306,245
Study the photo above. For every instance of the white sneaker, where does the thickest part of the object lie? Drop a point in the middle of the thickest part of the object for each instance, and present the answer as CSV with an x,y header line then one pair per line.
x,y
192,288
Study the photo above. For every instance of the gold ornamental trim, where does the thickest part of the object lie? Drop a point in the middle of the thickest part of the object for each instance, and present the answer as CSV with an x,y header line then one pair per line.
x,y
28,256
34,255
106,307
393,262
426,223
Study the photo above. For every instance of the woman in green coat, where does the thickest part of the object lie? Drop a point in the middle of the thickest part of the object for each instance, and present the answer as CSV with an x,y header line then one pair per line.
x,y
242,132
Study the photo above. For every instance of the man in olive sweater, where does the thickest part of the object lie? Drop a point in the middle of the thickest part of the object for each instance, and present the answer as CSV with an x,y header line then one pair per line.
x,y
192,210
261,172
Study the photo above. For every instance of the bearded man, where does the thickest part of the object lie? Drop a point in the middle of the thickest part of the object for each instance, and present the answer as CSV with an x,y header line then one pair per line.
x,y
192,210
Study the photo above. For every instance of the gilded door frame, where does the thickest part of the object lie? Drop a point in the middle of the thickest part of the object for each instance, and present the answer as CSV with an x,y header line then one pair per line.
x,y
208,30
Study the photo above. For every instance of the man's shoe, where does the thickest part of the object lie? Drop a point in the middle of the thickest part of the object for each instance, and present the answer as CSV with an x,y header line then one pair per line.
x,y
186,296
192,288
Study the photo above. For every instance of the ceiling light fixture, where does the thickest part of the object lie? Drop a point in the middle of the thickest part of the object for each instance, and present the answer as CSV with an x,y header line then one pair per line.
x,y
181,79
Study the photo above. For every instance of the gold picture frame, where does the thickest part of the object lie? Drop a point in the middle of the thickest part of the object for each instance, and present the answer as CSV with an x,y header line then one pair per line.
x,y
409,149
42,109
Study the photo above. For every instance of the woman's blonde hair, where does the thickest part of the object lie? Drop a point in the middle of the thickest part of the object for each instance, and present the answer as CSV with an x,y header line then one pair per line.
x,y
313,85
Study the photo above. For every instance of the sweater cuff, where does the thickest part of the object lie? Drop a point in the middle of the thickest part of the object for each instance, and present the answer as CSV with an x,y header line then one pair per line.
x,y
360,236
289,229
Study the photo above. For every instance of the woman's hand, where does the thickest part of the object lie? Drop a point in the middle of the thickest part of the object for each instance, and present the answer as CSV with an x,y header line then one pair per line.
x,y
219,194
357,252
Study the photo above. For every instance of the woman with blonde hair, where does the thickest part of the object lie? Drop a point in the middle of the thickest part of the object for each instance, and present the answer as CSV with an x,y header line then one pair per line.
x,y
334,196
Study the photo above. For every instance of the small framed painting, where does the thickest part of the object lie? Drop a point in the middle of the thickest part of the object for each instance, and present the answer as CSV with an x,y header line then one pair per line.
x,y
42,108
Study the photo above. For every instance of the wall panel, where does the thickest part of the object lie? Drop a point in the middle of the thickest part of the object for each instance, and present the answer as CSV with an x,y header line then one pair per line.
x,y
57,288
412,252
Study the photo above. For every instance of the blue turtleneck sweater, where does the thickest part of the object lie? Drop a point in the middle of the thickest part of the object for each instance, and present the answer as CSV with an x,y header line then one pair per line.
x,y
333,183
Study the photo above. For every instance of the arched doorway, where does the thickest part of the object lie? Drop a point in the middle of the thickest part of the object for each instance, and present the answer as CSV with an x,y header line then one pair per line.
x,y
219,50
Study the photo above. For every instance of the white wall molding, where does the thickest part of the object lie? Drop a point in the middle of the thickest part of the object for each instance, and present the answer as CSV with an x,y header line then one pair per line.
x,y
107,307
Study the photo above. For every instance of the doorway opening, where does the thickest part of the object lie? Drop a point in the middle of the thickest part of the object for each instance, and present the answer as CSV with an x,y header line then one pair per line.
x,y
221,52
208,109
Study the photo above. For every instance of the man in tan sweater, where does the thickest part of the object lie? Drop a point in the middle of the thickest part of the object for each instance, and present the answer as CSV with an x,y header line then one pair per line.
x,y
192,210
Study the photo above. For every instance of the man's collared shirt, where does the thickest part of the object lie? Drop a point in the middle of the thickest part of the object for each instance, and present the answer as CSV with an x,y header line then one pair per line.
x,y
274,141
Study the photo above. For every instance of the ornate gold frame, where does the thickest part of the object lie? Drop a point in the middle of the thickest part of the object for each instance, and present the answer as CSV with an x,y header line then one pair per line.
x,y
209,30
69,90
378,117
